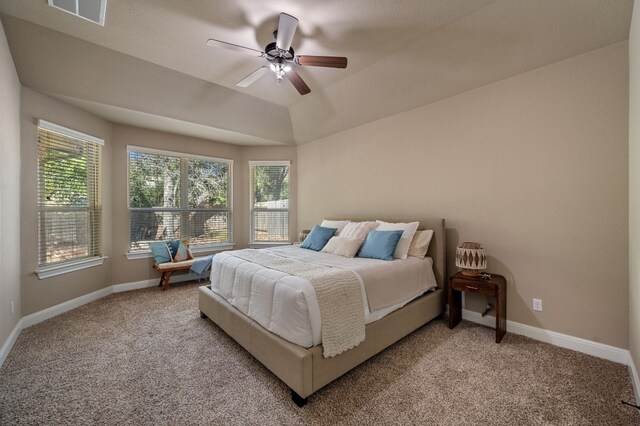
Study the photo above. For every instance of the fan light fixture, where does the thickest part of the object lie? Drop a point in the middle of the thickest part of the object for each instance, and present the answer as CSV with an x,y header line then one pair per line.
x,y
280,69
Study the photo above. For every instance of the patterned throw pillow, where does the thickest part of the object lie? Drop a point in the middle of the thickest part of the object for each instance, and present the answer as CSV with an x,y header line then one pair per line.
x,y
183,252
173,247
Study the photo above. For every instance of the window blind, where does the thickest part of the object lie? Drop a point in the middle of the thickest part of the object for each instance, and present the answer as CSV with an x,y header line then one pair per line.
x,y
269,201
69,208
178,196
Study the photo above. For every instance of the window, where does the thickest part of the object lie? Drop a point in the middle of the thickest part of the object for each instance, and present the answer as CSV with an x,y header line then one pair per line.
x,y
269,201
69,208
178,196
92,10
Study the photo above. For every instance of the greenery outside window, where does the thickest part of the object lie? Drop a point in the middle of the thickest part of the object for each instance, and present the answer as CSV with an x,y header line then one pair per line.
x,y
269,201
69,207
178,196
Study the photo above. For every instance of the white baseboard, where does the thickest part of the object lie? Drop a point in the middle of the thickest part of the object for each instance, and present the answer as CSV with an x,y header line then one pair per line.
x,y
61,308
53,311
589,347
599,350
118,288
635,380
11,340
136,285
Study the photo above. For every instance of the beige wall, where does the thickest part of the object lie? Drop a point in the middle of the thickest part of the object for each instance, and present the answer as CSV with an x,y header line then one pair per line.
x,y
9,191
634,187
40,294
534,167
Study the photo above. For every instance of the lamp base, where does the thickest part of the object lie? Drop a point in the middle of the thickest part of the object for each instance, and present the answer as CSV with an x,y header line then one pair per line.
x,y
471,272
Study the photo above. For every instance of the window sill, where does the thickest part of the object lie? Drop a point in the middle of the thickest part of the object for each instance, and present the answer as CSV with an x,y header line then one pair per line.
x,y
52,271
267,244
209,248
202,248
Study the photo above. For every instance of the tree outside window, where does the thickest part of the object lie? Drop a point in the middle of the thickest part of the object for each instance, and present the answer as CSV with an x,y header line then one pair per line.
x,y
178,196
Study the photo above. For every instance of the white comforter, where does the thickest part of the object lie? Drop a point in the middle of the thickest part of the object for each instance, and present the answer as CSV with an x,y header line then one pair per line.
x,y
287,305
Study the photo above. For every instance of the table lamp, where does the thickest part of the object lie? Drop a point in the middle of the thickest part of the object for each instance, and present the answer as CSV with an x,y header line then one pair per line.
x,y
471,258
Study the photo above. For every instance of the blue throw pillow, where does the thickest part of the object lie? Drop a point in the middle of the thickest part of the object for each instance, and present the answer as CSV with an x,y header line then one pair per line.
x,y
161,252
318,238
380,245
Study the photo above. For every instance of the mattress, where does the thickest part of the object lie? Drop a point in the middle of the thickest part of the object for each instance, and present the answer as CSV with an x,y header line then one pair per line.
x,y
286,305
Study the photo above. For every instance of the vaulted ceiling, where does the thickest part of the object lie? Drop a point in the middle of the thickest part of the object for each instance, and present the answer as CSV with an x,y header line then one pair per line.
x,y
150,65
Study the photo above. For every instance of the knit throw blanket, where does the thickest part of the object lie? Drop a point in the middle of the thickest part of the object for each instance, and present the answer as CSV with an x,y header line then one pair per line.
x,y
337,290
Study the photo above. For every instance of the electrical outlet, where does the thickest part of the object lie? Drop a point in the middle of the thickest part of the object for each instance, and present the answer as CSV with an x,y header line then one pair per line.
x,y
12,308
537,305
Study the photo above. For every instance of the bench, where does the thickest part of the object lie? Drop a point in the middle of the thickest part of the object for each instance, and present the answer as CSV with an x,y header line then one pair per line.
x,y
169,268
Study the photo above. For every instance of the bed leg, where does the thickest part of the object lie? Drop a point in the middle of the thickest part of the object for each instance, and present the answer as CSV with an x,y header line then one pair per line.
x,y
203,315
300,401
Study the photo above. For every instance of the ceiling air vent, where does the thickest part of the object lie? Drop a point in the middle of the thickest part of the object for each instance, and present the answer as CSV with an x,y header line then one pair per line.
x,y
93,10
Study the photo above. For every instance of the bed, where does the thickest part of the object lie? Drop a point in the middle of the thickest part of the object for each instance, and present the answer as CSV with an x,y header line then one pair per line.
x,y
297,358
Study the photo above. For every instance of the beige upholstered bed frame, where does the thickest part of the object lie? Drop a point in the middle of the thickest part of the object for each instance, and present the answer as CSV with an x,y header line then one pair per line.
x,y
306,370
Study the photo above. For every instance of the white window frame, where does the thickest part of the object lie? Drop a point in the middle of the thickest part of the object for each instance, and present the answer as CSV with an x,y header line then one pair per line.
x,y
52,270
259,244
195,248
76,12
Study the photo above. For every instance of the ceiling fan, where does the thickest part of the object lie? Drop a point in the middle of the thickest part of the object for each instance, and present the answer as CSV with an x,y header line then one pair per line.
x,y
281,56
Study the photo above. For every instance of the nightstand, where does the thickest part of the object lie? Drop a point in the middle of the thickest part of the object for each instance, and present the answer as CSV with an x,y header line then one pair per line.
x,y
496,287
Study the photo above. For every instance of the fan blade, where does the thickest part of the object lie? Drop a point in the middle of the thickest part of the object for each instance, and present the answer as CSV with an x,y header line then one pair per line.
x,y
322,61
298,82
236,48
286,30
251,78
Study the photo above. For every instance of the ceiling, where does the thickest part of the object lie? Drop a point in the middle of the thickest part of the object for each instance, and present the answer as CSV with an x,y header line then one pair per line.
x,y
155,70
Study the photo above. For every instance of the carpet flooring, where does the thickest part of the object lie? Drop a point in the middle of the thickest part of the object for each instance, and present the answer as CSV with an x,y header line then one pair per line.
x,y
147,358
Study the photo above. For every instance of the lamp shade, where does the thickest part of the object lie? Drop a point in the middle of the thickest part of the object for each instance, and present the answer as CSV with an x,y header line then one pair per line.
x,y
471,258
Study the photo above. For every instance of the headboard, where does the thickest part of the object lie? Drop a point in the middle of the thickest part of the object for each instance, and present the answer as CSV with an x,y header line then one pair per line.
x,y
437,248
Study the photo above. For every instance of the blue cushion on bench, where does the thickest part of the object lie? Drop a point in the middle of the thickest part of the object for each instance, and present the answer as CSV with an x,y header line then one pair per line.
x,y
161,252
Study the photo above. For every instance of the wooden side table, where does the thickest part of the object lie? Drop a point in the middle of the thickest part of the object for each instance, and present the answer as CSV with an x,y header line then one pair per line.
x,y
496,287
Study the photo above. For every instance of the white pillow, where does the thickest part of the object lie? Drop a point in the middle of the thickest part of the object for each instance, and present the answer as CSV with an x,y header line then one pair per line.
x,y
343,246
408,230
358,230
337,224
420,243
